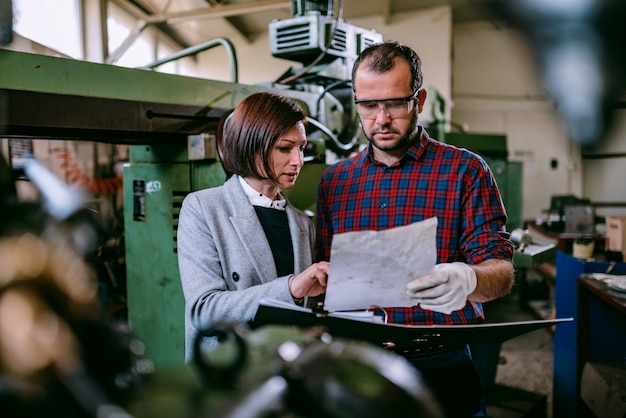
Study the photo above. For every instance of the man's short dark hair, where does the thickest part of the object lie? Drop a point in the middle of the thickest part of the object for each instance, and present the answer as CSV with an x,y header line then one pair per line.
x,y
381,57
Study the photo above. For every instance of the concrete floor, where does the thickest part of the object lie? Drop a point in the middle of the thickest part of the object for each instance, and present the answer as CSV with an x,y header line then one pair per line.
x,y
525,362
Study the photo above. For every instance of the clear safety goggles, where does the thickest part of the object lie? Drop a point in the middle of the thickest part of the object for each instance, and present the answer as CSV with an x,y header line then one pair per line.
x,y
397,107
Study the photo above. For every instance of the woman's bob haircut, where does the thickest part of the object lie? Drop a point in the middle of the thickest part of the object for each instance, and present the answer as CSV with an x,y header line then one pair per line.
x,y
252,129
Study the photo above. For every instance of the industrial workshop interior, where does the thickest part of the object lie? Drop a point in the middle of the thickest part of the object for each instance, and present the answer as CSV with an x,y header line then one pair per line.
x,y
111,113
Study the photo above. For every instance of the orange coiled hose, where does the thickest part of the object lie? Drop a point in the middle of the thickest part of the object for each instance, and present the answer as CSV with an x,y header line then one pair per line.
x,y
73,173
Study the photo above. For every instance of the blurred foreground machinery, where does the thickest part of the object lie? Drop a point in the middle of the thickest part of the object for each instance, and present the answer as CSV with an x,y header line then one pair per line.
x,y
285,372
59,356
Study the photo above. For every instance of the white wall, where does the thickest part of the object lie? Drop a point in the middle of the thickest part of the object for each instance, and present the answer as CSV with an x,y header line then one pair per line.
x,y
498,89
604,179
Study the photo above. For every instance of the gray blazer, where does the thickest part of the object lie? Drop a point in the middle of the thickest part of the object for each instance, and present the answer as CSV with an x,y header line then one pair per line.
x,y
225,261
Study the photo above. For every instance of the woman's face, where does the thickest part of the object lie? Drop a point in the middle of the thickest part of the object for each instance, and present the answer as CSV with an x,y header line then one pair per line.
x,y
286,158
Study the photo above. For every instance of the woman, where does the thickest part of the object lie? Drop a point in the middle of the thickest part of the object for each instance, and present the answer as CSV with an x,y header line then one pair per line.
x,y
243,241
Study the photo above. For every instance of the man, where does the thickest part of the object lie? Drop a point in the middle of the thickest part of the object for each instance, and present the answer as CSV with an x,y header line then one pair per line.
x,y
404,176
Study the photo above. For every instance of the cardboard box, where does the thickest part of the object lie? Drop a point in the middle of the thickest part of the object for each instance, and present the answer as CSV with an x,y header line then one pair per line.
x,y
616,234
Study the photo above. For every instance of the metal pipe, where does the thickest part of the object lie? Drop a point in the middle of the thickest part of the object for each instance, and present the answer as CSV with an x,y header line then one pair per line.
x,y
344,147
192,50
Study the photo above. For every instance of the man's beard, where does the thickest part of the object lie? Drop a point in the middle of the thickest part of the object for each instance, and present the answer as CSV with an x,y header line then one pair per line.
x,y
404,141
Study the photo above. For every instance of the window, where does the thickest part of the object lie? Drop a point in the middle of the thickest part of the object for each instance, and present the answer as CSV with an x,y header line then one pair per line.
x,y
148,47
54,24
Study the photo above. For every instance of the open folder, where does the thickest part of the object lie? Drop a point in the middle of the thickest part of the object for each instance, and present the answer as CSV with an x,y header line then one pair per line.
x,y
365,326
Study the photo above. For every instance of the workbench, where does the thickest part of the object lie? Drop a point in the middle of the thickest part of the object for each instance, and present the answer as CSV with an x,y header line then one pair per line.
x,y
602,352
595,342
529,257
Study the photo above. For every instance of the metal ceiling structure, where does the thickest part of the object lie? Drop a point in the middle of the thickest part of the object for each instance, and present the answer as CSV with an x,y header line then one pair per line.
x,y
191,22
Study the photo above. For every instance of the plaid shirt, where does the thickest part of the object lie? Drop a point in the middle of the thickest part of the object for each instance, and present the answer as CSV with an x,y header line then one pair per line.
x,y
431,179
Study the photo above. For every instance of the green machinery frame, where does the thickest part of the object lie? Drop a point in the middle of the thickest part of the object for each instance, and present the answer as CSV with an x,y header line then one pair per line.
x,y
508,174
46,97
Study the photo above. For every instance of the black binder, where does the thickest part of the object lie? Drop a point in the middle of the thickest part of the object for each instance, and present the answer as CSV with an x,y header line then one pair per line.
x,y
341,325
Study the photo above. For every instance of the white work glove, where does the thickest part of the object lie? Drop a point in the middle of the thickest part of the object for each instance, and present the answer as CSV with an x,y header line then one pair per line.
x,y
444,290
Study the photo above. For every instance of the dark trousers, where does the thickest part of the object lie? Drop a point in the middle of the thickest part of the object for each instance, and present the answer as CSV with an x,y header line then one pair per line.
x,y
454,380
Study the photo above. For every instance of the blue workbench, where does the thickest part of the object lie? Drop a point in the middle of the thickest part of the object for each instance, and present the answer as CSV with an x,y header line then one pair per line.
x,y
568,345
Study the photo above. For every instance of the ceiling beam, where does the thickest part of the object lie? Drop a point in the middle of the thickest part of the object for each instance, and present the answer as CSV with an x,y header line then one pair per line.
x,y
140,14
385,10
220,11
234,26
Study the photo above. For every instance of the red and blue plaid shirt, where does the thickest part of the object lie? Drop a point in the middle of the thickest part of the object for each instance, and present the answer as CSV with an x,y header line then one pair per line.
x,y
431,179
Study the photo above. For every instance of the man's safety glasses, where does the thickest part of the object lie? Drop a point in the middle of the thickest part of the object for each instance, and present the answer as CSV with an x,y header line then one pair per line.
x,y
397,107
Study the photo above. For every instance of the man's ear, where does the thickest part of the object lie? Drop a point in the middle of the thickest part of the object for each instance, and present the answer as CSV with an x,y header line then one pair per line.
x,y
421,99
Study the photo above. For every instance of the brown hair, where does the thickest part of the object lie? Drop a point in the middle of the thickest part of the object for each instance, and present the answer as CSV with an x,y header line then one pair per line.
x,y
251,131
381,58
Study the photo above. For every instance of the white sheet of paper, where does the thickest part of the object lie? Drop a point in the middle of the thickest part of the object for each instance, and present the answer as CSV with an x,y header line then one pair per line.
x,y
372,268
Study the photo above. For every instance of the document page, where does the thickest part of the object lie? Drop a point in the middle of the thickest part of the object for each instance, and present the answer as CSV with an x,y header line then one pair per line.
x,y
372,268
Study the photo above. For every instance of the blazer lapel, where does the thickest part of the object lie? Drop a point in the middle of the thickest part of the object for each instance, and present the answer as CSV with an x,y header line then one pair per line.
x,y
250,232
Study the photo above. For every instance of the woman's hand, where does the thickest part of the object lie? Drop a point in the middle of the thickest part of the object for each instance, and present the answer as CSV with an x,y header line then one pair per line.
x,y
311,282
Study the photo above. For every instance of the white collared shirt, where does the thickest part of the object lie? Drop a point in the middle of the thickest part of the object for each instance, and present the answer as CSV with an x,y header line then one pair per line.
x,y
259,199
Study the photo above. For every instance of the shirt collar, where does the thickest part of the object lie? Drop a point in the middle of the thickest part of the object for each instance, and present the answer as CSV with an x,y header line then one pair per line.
x,y
259,199
415,151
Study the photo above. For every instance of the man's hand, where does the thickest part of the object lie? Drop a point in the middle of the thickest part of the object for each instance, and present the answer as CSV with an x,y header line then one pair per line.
x,y
444,290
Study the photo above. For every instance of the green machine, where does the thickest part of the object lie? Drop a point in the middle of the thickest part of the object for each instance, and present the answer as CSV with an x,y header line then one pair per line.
x,y
157,115
156,180
508,174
